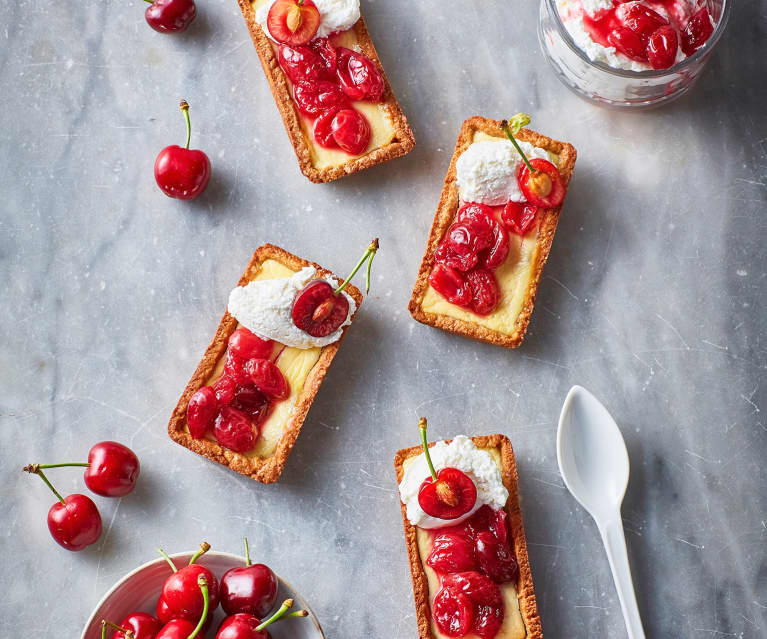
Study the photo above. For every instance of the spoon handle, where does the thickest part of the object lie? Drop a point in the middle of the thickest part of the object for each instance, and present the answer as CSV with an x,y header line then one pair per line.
x,y
615,545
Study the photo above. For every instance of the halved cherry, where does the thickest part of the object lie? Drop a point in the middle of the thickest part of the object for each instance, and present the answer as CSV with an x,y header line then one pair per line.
x,y
359,76
479,218
642,20
542,185
351,131
629,43
302,63
267,378
234,368
313,98
453,612
327,52
462,243
323,129
492,257
201,411
697,30
485,292
518,217
449,283
293,22
496,559
447,494
319,309
224,389
452,552
245,345
252,402
233,430
662,47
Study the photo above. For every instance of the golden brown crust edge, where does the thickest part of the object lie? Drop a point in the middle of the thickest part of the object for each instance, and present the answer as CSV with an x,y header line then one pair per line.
x,y
446,210
403,141
267,469
525,591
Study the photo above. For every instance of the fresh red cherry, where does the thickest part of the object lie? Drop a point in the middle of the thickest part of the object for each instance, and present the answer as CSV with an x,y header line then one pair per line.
x,y
246,345
163,612
452,552
448,494
351,131
234,430
359,76
112,469
268,378
485,292
662,47
697,30
293,22
182,173
319,309
246,626
642,20
201,411
629,43
177,629
541,184
453,612
451,285
314,98
169,16
141,624
302,63
518,217
182,591
251,588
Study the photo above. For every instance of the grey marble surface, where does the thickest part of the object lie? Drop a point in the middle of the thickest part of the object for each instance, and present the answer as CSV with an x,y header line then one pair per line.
x,y
653,298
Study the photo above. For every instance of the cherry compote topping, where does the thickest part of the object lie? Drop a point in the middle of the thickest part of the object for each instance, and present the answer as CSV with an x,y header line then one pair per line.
x,y
245,345
697,30
451,285
662,47
314,98
201,412
518,217
469,602
267,378
234,430
452,551
485,293
358,76
302,63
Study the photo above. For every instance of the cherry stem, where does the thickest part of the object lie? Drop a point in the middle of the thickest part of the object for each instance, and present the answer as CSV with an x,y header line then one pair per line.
x,y
247,552
149,1
424,441
204,547
82,464
36,469
370,252
286,605
296,613
104,623
168,559
203,584
507,131
184,106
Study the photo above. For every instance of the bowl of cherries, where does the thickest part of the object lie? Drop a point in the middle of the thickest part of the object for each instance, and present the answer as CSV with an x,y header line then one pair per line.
x,y
202,595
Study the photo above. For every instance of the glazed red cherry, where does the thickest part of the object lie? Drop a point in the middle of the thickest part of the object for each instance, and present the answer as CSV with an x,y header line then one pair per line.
x,y
351,131
169,16
302,63
447,494
245,345
460,247
629,43
74,522
234,369
485,596
642,20
543,185
492,257
112,469
252,402
697,30
485,292
234,430
452,552
479,218
327,52
359,76
518,217
141,624
182,591
319,309
451,285
453,612
267,378
662,47
201,411
314,98
181,172
293,22
224,388
251,588
323,129
496,559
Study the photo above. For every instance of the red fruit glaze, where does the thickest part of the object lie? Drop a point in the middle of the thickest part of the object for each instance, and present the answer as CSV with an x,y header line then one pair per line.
x,y
697,30
318,311
495,558
75,524
241,626
182,173
518,217
245,345
169,16
453,612
452,552
557,193
452,495
113,469
351,131
485,293
629,43
201,411
293,22
358,76
250,589
314,98
662,47
182,594
642,20
267,378
252,402
177,629
234,431
302,63
143,625
450,284
485,596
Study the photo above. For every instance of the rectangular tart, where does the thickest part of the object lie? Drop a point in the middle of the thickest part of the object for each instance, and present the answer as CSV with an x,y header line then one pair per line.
x,y
518,276
521,620
303,368
391,136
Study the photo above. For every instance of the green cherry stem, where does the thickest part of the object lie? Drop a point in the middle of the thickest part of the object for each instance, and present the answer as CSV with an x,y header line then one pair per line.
x,y
203,584
247,552
204,547
149,1
286,605
370,253
425,443
517,122
168,559
36,469
184,106
104,624
296,613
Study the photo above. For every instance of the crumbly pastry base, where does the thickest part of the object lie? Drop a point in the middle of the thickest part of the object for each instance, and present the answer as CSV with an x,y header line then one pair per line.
x,y
446,211
403,140
263,469
527,604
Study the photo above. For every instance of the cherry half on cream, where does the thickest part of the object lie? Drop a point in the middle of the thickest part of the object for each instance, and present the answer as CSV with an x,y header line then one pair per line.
x,y
293,22
447,494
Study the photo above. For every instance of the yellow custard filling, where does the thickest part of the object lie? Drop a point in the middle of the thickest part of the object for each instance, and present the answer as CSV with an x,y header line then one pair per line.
x,y
513,626
295,365
378,115
513,276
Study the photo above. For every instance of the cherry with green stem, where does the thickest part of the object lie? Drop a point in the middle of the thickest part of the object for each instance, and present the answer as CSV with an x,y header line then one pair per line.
x,y
251,588
170,16
125,633
247,626
319,309
183,628
181,172
180,591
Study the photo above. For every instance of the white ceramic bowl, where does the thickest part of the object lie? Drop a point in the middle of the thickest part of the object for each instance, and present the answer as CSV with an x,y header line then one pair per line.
x,y
140,588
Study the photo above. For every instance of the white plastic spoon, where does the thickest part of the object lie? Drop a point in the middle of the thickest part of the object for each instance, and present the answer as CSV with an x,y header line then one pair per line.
x,y
595,466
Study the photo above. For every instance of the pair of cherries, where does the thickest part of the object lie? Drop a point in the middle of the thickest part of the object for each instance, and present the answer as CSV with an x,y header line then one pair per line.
x,y
111,471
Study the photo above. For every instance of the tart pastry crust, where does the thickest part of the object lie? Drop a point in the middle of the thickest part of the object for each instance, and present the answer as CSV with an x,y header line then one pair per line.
x,y
263,469
446,211
403,140
526,595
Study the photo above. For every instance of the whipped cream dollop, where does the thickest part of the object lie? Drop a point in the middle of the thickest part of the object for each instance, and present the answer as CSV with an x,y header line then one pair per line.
x,y
335,16
264,308
461,453
486,172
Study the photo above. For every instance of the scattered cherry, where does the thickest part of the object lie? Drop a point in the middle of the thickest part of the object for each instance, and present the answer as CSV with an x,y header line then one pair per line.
x,y
697,31
182,173
358,76
234,430
182,591
662,46
449,494
320,310
170,16
201,411
112,469
293,22
251,588
142,625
